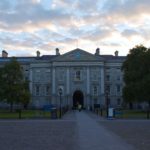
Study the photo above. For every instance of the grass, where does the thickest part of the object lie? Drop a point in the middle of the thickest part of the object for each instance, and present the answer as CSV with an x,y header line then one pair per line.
x,y
134,114
25,114
126,114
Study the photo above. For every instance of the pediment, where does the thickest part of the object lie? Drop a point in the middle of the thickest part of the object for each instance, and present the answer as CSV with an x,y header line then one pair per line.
x,y
77,55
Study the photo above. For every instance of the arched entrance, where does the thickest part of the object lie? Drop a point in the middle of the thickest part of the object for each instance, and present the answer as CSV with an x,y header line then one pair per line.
x,y
78,98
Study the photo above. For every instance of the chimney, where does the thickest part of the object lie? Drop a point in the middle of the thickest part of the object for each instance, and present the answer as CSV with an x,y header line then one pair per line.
x,y
97,51
4,54
38,53
116,53
57,51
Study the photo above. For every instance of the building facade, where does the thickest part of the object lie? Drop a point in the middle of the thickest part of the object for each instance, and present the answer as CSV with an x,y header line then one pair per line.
x,y
85,78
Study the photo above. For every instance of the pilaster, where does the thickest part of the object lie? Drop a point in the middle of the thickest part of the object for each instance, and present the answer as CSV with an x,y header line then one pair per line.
x,y
102,81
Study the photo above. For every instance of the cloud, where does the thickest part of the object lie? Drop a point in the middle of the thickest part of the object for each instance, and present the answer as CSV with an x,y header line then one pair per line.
x,y
30,15
46,24
99,34
126,10
130,33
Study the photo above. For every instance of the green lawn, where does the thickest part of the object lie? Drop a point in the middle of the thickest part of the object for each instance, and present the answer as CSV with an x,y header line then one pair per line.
x,y
126,114
131,114
134,114
25,114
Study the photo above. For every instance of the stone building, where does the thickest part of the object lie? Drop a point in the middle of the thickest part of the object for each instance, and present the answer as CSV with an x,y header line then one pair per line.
x,y
85,78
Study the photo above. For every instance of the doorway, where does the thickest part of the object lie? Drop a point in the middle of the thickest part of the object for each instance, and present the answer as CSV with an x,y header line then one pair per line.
x,y
78,98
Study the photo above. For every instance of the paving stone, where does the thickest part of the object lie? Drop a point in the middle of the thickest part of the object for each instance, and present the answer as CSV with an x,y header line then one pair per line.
x,y
75,131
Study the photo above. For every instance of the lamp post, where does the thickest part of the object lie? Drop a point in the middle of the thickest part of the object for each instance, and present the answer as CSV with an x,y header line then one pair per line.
x,y
60,93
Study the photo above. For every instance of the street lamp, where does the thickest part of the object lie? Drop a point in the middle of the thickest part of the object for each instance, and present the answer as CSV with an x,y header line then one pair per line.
x,y
60,93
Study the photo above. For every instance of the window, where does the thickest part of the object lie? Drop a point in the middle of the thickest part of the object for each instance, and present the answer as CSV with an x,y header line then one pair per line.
x,y
78,75
108,89
47,90
118,88
107,77
37,90
95,90
118,78
118,101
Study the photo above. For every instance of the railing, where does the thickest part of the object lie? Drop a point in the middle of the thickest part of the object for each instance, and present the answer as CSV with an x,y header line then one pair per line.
x,y
32,113
124,113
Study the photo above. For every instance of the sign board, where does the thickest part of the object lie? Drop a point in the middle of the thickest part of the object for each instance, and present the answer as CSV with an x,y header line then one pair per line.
x,y
110,112
48,107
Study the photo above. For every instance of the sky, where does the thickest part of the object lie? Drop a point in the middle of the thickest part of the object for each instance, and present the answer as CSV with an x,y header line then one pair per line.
x,y
44,25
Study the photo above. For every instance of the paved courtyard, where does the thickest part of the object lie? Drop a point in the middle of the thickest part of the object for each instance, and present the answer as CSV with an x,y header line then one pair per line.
x,y
38,135
135,132
75,131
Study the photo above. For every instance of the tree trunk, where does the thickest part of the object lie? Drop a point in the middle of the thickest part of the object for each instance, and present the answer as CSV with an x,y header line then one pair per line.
x,y
11,106
130,105
149,105
148,110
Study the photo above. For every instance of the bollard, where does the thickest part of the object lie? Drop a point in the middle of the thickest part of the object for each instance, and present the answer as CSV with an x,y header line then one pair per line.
x,y
101,110
148,114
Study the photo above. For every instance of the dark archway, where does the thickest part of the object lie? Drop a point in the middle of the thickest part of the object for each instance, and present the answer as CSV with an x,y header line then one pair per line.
x,y
78,98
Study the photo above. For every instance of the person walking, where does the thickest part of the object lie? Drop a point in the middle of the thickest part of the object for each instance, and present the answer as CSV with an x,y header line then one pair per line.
x,y
79,107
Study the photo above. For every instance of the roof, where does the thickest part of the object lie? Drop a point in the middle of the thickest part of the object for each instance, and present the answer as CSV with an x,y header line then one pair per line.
x,y
47,57
68,56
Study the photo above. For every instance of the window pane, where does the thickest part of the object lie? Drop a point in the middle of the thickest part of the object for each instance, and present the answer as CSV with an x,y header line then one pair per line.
x,y
78,75
47,90
37,90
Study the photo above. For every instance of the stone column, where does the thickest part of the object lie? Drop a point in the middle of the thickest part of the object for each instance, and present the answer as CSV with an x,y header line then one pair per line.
x,y
30,79
102,81
88,80
68,81
53,86
67,86
102,101
53,81
88,88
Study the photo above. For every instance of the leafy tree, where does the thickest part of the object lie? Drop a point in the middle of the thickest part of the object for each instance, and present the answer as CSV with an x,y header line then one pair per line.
x,y
137,75
14,87
24,97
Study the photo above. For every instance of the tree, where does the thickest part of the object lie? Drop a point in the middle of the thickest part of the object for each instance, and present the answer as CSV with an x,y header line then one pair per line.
x,y
24,94
137,75
14,87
